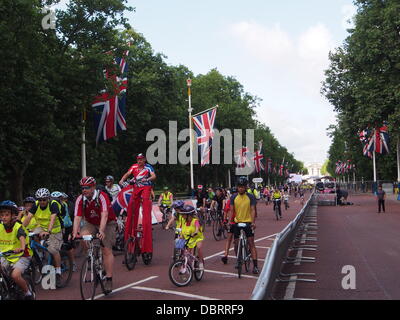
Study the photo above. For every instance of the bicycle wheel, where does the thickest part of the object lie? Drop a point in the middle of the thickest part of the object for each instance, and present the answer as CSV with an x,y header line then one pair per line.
x,y
87,280
198,274
217,230
147,257
66,269
4,291
130,251
246,255
240,257
28,277
180,274
36,265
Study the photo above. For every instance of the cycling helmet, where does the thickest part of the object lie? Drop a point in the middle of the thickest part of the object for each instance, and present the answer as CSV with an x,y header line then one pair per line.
x,y
64,195
56,194
190,210
29,200
42,193
242,181
87,181
179,204
140,156
8,204
109,178
234,190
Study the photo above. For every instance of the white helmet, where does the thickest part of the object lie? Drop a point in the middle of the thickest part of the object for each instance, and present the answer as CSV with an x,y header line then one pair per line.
x,y
56,194
42,193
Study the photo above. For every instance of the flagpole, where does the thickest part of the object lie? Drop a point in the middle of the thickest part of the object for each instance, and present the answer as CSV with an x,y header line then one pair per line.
x,y
189,84
374,164
83,148
217,106
398,159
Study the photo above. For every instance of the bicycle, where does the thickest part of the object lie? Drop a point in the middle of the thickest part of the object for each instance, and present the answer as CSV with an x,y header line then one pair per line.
x,y
200,213
219,228
182,270
243,251
9,290
42,257
213,214
92,272
119,240
133,249
276,208
166,214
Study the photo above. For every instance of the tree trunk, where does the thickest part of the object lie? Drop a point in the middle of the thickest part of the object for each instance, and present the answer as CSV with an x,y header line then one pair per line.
x,y
17,183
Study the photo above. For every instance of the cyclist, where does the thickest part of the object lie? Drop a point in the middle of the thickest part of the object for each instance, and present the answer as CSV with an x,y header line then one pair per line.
x,y
94,206
28,203
143,174
243,206
46,213
166,199
286,200
112,188
201,199
229,224
13,236
177,216
218,202
277,198
191,227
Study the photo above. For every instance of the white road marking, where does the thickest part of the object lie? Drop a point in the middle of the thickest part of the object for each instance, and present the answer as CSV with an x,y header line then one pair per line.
x,y
234,257
263,247
230,274
178,293
128,286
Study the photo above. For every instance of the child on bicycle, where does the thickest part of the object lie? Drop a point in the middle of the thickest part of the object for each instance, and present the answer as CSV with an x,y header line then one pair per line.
x,y
13,237
177,216
191,229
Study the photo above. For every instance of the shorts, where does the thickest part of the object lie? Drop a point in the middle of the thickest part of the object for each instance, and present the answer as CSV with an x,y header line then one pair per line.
x,y
247,230
22,264
67,244
55,240
110,232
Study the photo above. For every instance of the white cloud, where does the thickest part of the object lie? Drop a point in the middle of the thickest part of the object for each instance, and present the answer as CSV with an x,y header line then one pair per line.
x,y
348,12
294,68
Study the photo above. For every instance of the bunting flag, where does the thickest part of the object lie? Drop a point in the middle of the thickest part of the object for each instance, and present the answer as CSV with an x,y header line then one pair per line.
x,y
380,140
258,157
110,107
204,126
269,164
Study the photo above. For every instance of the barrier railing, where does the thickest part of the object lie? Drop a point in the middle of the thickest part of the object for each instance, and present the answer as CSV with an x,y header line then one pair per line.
x,y
278,254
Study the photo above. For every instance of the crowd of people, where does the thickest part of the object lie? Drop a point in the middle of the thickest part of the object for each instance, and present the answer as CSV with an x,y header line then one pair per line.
x,y
60,220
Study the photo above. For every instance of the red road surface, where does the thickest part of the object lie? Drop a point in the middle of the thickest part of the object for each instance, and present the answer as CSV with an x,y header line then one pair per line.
x,y
355,236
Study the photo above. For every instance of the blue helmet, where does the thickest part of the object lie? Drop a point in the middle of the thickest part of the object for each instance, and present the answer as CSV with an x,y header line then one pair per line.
x,y
190,210
179,204
56,194
8,204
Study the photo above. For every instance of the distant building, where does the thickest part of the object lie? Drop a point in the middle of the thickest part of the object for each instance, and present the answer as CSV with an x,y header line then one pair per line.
x,y
314,172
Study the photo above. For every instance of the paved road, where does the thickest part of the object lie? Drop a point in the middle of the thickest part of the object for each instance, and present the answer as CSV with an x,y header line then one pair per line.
x,y
219,281
356,236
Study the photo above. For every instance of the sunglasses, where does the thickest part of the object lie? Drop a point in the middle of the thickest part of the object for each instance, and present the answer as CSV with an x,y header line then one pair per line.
x,y
85,187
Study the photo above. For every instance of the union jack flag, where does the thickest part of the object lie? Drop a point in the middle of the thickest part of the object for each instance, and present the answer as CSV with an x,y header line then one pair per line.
x,y
204,127
366,140
269,161
110,107
122,200
258,157
242,158
380,140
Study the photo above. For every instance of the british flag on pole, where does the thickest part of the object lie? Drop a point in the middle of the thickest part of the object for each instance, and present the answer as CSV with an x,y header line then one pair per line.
x,y
110,107
258,157
204,127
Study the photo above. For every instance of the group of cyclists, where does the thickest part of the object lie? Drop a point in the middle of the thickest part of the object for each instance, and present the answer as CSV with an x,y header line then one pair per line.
x,y
51,216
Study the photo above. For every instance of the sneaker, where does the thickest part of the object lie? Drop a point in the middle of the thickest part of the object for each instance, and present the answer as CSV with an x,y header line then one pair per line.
x,y
108,286
58,280
224,260
255,270
29,297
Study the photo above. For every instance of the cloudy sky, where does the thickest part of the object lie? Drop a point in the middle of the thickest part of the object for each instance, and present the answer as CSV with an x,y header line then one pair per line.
x,y
276,49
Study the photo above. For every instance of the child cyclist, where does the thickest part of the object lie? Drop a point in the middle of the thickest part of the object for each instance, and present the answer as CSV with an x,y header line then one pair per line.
x,y
13,237
191,228
177,216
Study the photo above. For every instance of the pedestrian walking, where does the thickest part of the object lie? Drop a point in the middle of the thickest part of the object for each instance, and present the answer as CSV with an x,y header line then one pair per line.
x,y
381,195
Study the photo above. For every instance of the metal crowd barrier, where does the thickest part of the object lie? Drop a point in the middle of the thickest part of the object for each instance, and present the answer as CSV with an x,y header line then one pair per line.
x,y
277,254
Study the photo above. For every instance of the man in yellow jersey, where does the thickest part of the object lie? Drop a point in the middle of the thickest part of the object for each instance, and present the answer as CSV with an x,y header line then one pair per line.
x,y
14,239
47,214
243,205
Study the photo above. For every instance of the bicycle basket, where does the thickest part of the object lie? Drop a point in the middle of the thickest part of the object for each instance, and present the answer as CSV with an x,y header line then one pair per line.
x,y
180,243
